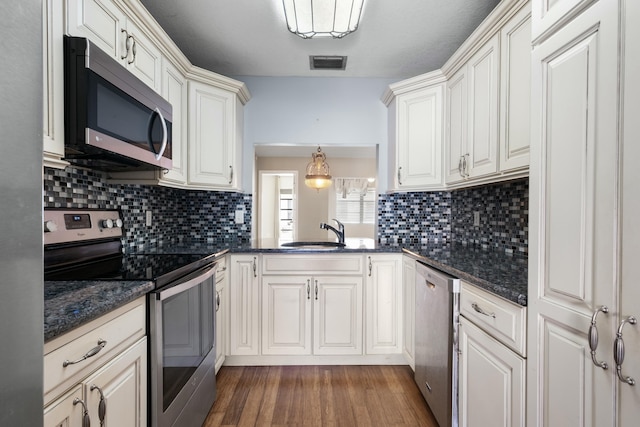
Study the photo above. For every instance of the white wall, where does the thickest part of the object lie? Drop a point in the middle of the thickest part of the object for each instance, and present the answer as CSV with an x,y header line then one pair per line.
x,y
314,111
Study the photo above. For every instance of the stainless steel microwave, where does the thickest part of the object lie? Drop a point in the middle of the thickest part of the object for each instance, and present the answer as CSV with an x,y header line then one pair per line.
x,y
113,121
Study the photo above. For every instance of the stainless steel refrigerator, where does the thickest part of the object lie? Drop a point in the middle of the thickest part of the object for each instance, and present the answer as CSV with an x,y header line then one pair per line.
x,y
21,277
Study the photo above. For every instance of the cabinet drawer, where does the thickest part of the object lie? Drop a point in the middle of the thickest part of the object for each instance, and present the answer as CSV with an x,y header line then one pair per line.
x,y
119,329
312,264
502,319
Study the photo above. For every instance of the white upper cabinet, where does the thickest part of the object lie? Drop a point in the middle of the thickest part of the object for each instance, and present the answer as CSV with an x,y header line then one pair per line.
x,y
515,91
214,152
109,28
549,15
53,84
415,132
174,90
456,141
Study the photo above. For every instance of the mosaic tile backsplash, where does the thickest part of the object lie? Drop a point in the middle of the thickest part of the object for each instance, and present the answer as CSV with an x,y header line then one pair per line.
x,y
417,217
503,212
198,216
208,216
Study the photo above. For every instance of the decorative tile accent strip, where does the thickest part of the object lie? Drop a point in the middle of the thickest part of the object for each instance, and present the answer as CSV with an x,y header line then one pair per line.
x,y
197,216
418,217
504,216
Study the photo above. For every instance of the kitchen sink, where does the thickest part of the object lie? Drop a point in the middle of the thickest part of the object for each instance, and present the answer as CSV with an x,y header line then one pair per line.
x,y
313,245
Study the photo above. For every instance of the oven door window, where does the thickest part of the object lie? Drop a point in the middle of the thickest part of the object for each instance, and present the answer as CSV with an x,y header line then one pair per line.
x,y
188,333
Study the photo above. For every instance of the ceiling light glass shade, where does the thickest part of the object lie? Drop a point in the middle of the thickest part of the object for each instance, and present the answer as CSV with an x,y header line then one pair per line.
x,y
322,18
318,175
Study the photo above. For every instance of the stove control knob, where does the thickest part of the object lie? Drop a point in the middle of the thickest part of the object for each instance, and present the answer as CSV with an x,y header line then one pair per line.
x,y
50,226
117,223
107,223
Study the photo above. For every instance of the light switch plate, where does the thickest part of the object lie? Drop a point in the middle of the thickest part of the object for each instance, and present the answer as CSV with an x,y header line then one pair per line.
x,y
239,217
476,219
148,219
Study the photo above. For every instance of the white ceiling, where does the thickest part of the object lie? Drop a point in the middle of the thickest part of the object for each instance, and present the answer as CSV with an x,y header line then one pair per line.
x,y
396,38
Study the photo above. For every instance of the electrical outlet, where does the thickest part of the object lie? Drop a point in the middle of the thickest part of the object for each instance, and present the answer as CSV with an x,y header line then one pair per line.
x,y
239,217
476,219
148,219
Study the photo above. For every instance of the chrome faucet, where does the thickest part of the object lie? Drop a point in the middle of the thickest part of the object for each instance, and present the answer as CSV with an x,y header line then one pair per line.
x,y
339,232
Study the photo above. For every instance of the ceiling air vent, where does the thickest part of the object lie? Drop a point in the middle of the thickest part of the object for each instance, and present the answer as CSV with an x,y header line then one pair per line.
x,y
328,62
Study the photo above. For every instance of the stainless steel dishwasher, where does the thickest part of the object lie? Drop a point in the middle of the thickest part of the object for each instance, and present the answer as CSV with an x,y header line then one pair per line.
x,y
436,342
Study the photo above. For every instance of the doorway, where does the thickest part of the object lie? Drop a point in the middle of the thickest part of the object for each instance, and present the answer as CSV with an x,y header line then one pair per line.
x,y
278,206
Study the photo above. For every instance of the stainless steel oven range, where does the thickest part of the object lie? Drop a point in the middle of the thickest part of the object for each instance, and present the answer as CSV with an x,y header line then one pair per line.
x,y
85,244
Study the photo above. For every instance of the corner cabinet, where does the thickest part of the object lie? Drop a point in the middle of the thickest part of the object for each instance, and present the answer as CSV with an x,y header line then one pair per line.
x,y
115,376
415,133
215,145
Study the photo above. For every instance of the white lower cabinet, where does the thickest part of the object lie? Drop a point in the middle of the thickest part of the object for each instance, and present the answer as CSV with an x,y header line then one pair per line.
x,y
492,381
409,308
244,300
492,364
115,374
222,312
303,315
384,304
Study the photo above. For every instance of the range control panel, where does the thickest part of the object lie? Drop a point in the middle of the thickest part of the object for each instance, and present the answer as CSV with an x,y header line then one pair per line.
x,y
75,225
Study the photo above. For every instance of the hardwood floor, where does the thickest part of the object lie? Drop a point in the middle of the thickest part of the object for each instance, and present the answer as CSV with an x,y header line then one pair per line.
x,y
318,396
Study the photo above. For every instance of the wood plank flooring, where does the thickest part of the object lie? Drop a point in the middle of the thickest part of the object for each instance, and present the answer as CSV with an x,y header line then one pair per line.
x,y
318,396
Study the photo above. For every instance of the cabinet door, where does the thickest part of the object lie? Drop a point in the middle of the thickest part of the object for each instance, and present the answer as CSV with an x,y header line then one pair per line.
x,y
244,293
515,91
419,141
286,315
53,83
63,413
456,144
143,58
337,315
174,90
409,307
550,14
100,21
123,383
482,144
211,136
492,381
629,402
222,313
573,198
384,305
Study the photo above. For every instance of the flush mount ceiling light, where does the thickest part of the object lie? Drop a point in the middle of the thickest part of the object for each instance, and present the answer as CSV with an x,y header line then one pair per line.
x,y
322,18
318,175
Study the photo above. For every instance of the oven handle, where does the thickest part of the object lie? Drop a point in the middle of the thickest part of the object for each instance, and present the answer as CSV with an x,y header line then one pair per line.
x,y
178,288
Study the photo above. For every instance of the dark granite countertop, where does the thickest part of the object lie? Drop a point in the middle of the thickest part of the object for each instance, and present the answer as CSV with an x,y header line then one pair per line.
x,y
69,304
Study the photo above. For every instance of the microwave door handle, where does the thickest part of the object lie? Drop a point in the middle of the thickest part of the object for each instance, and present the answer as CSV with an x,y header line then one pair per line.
x,y
158,113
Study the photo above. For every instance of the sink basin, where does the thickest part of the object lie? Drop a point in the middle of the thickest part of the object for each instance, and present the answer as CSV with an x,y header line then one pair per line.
x,y
313,245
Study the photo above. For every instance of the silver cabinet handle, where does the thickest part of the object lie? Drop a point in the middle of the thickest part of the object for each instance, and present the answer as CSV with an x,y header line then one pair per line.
x,y
618,351
217,301
316,290
255,274
126,43
399,175
86,421
370,267
465,166
102,405
133,49
479,309
95,350
593,337
460,166
308,289
230,174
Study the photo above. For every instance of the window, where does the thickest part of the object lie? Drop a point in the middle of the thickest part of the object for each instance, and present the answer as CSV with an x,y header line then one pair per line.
x,y
356,207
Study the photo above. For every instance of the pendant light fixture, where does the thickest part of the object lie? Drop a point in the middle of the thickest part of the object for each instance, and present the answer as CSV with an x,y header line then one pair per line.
x,y
322,18
318,175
